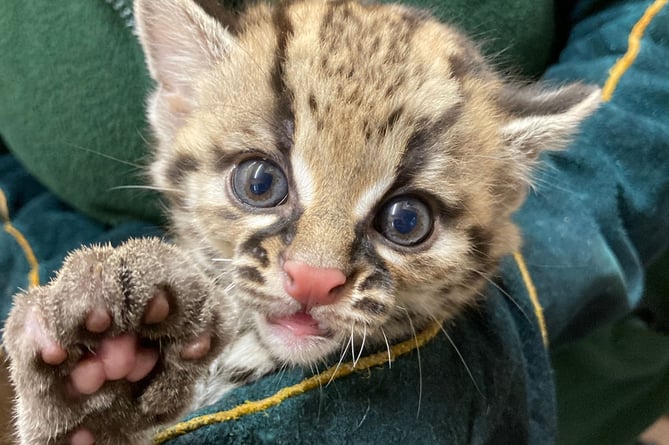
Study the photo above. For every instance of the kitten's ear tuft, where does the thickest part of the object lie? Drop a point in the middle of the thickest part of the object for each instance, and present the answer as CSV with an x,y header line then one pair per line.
x,y
543,119
180,40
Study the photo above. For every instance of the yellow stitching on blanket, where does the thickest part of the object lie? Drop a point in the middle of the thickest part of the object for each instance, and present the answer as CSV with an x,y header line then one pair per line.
x,y
634,43
532,292
314,382
33,275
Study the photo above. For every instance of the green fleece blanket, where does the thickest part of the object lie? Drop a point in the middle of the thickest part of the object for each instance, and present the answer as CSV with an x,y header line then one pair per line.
x,y
599,216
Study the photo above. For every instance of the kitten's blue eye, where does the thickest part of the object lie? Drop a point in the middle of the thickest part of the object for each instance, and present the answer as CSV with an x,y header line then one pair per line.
x,y
404,220
259,183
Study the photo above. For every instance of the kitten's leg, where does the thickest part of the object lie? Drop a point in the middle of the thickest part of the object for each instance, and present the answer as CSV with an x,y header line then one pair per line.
x,y
113,346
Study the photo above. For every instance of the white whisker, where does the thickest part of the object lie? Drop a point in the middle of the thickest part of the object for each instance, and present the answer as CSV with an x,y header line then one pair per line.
x,y
364,416
104,155
229,287
362,346
353,344
281,372
145,187
462,359
506,294
316,371
390,358
341,359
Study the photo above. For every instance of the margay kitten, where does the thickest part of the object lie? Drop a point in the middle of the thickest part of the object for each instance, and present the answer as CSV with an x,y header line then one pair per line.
x,y
338,174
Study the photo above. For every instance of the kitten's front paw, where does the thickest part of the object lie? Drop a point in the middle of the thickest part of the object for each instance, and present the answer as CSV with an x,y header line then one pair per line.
x,y
112,347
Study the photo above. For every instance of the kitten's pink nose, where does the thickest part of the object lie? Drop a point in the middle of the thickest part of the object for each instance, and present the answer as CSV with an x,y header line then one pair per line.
x,y
312,285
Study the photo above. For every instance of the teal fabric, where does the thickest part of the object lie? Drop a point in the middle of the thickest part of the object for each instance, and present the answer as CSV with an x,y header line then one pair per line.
x,y
612,384
600,214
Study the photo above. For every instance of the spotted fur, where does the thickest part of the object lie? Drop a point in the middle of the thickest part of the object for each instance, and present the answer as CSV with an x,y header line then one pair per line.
x,y
356,104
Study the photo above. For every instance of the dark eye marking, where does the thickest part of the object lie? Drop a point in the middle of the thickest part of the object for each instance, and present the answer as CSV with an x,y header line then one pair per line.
x,y
370,306
221,159
284,228
259,183
250,274
380,279
420,145
283,112
253,248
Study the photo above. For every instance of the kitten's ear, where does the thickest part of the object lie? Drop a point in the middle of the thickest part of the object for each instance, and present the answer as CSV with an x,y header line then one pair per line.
x,y
180,40
544,119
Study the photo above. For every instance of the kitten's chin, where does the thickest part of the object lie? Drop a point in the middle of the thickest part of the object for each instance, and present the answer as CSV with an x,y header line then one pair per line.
x,y
297,339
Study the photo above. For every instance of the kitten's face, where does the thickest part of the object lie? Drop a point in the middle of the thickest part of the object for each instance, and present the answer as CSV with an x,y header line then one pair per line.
x,y
357,165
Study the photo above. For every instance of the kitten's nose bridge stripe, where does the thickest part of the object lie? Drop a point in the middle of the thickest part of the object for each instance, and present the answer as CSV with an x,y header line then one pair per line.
x,y
317,381
33,275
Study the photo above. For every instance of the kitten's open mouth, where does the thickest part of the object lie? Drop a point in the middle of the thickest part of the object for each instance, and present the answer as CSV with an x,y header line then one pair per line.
x,y
296,339
299,324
